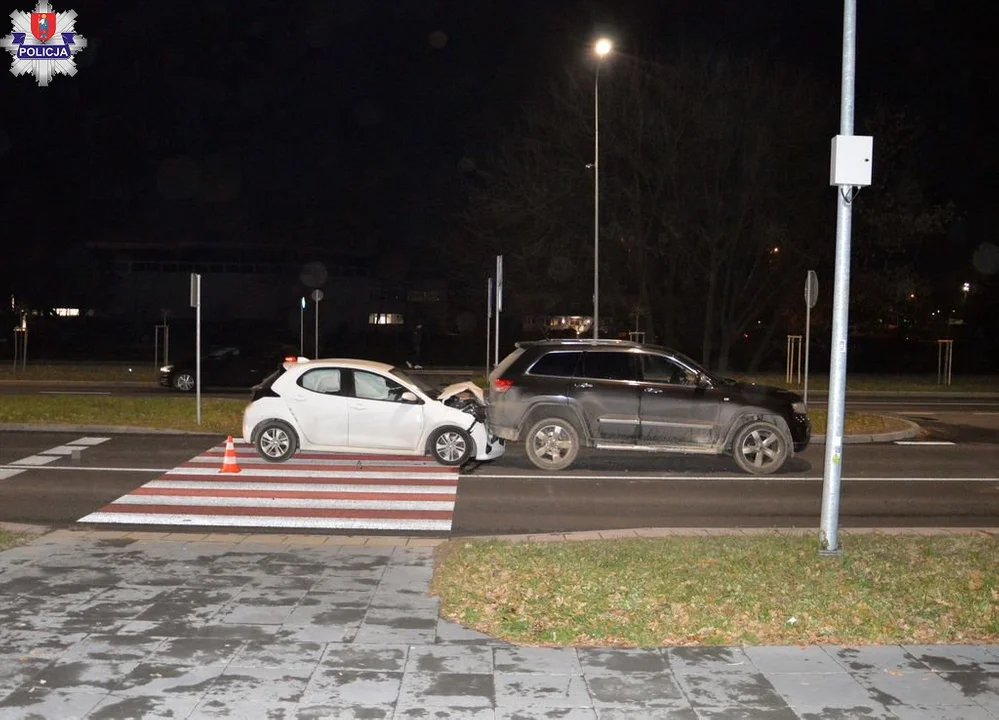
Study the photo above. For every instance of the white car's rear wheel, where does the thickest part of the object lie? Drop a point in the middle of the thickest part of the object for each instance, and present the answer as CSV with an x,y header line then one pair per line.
x,y
450,446
276,441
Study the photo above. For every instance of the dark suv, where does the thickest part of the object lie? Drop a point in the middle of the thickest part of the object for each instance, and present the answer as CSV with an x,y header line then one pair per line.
x,y
558,395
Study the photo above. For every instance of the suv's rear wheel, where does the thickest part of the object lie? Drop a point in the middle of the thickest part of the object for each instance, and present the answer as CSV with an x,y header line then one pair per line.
x,y
552,443
760,447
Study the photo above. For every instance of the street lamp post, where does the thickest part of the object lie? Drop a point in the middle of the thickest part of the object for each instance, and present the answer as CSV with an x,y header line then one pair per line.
x,y
602,48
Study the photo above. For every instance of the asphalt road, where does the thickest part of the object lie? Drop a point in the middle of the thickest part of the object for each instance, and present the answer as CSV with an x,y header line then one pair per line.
x,y
949,477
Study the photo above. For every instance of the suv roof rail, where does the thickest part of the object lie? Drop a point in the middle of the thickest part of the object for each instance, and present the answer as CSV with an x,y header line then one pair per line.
x,y
580,341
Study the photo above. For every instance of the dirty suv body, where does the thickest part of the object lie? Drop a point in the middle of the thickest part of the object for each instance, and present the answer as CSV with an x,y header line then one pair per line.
x,y
560,395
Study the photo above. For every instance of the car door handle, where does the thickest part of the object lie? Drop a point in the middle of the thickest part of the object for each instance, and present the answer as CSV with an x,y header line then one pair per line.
x,y
584,386
356,406
654,391
300,398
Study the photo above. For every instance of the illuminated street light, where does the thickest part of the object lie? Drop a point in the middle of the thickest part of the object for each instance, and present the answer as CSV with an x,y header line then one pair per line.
x,y
966,287
601,49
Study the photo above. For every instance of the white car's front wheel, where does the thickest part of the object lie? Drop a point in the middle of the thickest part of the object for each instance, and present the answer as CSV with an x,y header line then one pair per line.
x,y
276,441
450,446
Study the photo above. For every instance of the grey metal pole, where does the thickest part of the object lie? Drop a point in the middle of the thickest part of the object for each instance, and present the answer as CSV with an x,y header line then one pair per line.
x,y
596,203
197,348
489,317
829,529
808,329
315,355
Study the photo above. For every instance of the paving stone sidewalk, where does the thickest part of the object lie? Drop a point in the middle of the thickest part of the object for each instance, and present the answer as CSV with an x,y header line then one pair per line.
x,y
115,625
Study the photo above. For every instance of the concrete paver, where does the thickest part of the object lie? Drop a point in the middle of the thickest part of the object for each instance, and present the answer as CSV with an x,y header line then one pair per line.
x,y
104,625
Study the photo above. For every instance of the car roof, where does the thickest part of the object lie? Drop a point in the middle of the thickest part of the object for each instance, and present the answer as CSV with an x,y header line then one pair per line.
x,y
353,363
590,342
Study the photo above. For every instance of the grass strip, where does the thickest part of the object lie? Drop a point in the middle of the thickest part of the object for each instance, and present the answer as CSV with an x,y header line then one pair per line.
x,y
225,415
728,590
218,415
9,539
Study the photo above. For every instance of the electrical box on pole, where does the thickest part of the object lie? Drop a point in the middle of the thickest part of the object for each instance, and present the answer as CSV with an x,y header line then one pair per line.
x,y
851,160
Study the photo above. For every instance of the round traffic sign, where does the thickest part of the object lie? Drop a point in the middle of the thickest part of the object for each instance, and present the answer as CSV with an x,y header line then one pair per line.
x,y
317,295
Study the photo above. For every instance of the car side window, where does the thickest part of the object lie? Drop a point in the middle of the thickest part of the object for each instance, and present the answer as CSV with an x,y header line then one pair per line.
x,y
661,369
323,380
372,386
556,364
609,366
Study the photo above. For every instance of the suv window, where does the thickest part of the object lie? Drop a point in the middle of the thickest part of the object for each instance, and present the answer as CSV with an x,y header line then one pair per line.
x,y
661,369
556,364
609,366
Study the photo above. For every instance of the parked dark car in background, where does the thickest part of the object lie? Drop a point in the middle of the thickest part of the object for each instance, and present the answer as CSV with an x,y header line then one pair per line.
x,y
560,395
229,366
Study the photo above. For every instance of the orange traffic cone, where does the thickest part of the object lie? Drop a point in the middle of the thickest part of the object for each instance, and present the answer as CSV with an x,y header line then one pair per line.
x,y
229,464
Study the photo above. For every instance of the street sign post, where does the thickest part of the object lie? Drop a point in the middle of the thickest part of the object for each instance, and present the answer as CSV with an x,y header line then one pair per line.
x,y
811,296
196,304
489,318
499,307
301,327
317,295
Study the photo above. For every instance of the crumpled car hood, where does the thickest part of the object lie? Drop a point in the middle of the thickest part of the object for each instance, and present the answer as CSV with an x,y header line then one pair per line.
x,y
462,387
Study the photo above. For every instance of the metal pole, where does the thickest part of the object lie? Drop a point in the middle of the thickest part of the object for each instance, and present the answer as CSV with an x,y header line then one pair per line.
x,y
829,529
156,346
316,355
301,328
808,328
596,203
489,317
166,344
197,348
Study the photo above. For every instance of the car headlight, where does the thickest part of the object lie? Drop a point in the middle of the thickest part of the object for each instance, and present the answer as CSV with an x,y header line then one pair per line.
x,y
166,368
800,408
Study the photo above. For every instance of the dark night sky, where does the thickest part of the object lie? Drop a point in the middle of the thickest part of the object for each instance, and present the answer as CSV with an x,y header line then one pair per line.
x,y
340,122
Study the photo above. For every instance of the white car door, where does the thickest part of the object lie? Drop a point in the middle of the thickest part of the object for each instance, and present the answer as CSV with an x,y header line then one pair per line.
x,y
320,408
379,418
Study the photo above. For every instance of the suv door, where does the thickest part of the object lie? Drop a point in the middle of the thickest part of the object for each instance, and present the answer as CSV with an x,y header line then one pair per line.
x,y
674,409
606,391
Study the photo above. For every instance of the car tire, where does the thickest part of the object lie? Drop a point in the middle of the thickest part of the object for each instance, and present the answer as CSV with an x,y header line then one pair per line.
x,y
275,441
760,447
552,443
184,381
450,446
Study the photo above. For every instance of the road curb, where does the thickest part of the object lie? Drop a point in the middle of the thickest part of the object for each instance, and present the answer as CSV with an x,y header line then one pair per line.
x,y
912,431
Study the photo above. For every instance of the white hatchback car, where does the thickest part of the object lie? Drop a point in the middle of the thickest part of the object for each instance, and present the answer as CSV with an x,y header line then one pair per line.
x,y
362,406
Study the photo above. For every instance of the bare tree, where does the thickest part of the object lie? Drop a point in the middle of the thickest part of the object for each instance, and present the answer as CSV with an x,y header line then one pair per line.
x,y
712,177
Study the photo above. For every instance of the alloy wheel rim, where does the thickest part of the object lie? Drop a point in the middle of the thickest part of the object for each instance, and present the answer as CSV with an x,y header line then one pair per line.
x,y
761,448
551,441
185,382
274,442
450,446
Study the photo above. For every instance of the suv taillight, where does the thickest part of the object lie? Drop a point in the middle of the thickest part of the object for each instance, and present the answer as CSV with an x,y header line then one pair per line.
x,y
501,385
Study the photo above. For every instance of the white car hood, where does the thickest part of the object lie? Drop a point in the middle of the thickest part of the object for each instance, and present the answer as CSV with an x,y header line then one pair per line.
x,y
460,387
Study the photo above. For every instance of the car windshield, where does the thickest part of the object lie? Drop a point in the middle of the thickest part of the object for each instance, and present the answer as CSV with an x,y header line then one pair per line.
x,y
427,390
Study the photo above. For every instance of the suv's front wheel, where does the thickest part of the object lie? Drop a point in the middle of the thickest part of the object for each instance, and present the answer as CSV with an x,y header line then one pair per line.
x,y
552,443
760,448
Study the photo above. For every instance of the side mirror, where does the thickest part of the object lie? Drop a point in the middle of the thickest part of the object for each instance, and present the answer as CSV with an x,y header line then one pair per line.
x,y
703,381
409,397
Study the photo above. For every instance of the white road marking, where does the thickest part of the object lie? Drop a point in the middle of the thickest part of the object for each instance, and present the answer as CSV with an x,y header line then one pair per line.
x,y
64,450
724,478
316,504
321,474
82,468
41,460
34,460
314,487
302,523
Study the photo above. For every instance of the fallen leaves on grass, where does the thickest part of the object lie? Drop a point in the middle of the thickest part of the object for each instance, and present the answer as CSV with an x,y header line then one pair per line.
x,y
725,590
